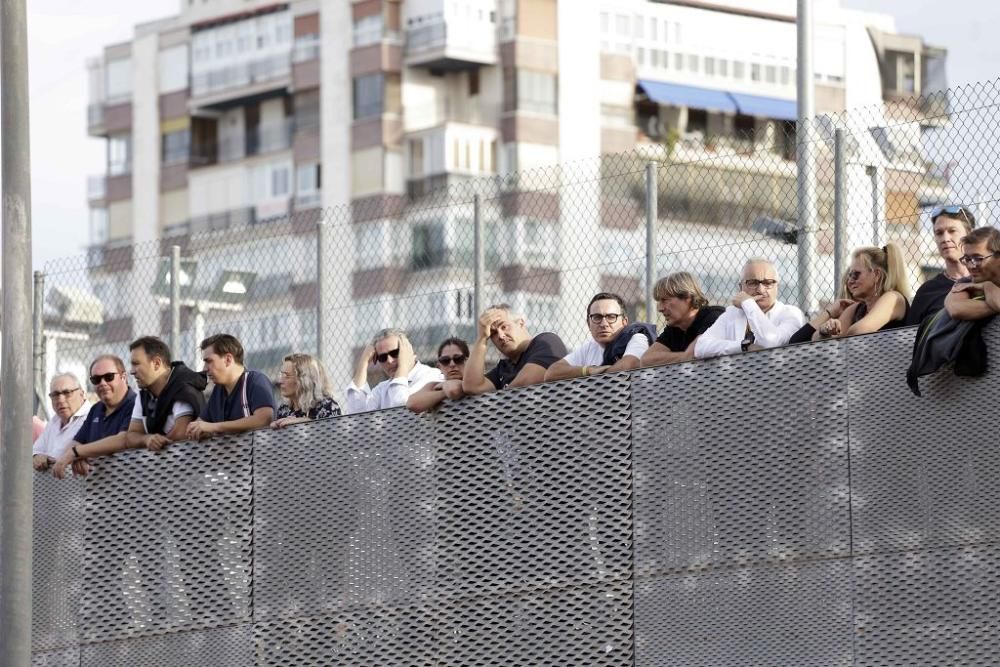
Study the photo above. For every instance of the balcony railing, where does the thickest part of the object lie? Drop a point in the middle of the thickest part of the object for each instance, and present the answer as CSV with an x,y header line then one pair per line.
x,y
97,187
242,74
95,114
438,41
218,222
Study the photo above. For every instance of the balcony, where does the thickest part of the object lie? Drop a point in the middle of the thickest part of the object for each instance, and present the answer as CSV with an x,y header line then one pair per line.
x,y
97,188
95,119
259,140
226,220
226,85
450,44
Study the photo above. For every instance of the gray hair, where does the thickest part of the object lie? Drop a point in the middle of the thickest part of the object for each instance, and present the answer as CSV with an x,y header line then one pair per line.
x,y
761,260
388,333
313,383
507,308
71,376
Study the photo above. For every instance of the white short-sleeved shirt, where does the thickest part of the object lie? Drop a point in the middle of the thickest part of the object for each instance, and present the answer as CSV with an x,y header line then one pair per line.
x,y
56,437
591,353
180,409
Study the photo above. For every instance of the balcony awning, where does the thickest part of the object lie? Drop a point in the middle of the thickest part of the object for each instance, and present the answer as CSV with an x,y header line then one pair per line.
x,y
765,107
675,94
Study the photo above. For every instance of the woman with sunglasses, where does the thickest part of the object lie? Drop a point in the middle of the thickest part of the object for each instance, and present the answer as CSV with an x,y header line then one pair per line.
x,y
452,355
879,293
305,392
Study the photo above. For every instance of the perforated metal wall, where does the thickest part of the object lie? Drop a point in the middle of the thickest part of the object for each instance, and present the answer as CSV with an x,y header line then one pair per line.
x,y
789,507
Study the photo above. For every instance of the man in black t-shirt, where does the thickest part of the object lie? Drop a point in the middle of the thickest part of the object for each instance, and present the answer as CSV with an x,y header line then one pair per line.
x,y
525,358
686,311
951,223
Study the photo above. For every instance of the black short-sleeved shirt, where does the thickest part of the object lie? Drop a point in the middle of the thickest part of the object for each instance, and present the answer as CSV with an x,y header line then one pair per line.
x,y
99,424
929,298
252,391
544,350
677,340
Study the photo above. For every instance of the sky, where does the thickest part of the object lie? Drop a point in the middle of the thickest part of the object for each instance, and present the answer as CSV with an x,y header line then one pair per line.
x,y
62,34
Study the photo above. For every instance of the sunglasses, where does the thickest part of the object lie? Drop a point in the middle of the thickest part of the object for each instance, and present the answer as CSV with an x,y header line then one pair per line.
x,y
65,393
952,210
106,377
384,357
457,359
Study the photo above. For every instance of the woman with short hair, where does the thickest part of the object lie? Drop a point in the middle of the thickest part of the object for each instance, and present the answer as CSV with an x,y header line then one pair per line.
x,y
305,392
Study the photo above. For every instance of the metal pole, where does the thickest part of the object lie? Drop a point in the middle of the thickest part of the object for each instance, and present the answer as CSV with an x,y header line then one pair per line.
x,y
16,354
175,298
38,342
322,292
199,331
652,215
877,201
839,184
805,158
480,256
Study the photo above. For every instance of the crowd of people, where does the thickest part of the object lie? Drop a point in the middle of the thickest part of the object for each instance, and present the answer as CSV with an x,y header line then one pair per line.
x,y
171,405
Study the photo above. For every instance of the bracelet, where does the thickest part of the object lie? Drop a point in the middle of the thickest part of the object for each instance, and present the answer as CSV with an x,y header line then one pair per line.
x,y
584,371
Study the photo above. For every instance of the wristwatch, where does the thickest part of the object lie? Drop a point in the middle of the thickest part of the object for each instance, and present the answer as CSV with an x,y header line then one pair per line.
x,y
745,344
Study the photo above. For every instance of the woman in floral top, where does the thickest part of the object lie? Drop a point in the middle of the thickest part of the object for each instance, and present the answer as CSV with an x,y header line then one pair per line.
x,y
305,392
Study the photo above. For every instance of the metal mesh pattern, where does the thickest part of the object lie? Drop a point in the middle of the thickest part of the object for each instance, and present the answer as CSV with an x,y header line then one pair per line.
x,y
789,507
169,541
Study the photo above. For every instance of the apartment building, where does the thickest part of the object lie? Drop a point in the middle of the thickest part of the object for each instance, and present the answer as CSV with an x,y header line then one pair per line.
x,y
231,126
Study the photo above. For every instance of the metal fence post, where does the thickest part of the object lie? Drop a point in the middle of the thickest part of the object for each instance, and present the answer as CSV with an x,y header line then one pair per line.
x,y
480,256
877,204
16,479
38,343
806,159
652,215
175,298
323,295
839,196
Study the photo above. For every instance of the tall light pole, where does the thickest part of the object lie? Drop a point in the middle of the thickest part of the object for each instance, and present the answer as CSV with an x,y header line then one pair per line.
x,y
15,243
805,158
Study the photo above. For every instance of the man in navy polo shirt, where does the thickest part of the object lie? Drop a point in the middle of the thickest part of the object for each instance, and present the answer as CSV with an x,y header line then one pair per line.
x,y
108,419
241,400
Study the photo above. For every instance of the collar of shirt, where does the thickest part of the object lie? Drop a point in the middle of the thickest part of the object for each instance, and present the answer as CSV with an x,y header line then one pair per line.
x,y
82,412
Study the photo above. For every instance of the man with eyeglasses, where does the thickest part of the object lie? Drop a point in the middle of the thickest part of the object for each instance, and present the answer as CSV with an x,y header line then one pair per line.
x,y
392,352
756,319
951,224
525,357
71,407
608,323
977,296
108,419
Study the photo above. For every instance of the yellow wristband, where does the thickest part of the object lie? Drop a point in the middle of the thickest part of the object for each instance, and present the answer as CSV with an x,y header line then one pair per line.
x,y
585,371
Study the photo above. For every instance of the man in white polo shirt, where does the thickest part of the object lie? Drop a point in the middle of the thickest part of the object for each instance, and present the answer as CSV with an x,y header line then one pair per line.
x,y
614,345
756,320
71,407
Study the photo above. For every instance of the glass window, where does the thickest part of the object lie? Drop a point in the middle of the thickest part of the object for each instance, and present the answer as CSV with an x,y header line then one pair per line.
x,y
307,179
119,154
653,23
693,62
368,30
754,71
176,146
786,75
640,24
280,185
536,91
710,66
119,79
369,96
723,67
640,55
427,246
173,69
679,62
98,226
738,69
771,74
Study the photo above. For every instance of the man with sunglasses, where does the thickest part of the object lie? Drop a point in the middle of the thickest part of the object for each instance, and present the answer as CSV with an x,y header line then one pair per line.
x,y
950,224
756,319
392,352
608,322
70,407
978,296
108,420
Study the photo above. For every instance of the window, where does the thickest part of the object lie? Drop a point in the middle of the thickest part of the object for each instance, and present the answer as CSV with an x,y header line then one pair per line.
x,y
307,110
176,146
786,75
622,26
307,178
679,62
738,68
368,30
771,74
640,24
536,92
473,82
119,154
654,57
710,66
900,72
693,63
369,96
723,67
173,69
427,248
280,185
98,226
640,55
653,23
119,79
754,71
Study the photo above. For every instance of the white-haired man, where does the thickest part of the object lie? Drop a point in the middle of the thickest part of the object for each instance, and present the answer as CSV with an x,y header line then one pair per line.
x,y
392,352
755,320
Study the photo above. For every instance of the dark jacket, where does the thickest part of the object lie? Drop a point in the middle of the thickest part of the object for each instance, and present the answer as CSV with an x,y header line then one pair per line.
x,y
615,351
184,385
942,340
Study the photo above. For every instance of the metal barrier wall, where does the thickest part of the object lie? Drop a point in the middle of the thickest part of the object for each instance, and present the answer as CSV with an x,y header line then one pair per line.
x,y
789,507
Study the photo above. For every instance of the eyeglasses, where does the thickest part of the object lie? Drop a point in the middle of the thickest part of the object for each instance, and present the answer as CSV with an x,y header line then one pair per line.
x,y
384,357
106,377
457,359
595,318
976,260
286,376
952,210
754,284
64,393
854,275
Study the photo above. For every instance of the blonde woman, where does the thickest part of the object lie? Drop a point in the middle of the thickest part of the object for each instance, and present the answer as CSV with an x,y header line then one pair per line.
x,y
880,296
305,392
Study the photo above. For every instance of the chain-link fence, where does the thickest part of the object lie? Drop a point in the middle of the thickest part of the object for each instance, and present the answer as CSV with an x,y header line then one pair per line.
x,y
323,281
